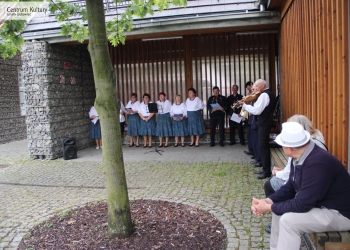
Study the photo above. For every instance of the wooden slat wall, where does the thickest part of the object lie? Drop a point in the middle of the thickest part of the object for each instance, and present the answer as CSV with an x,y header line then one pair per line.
x,y
199,61
315,68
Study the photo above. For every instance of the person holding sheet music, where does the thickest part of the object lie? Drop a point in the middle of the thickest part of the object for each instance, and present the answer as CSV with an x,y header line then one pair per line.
x,y
164,126
178,113
148,122
216,106
195,122
133,119
231,100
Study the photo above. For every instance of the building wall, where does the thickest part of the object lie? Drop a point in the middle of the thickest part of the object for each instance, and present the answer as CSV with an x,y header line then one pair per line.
x,y
12,126
315,68
58,98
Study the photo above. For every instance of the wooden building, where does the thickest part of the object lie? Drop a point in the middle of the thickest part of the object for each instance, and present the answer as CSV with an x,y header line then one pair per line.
x,y
301,46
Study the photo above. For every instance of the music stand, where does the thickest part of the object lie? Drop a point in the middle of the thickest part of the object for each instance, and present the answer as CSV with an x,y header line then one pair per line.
x,y
153,108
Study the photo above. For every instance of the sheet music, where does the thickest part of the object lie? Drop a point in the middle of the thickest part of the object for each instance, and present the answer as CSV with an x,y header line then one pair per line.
x,y
236,118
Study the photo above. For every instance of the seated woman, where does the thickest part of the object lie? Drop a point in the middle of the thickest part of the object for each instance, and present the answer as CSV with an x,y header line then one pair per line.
x,y
195,122
147,123
164,128
133,119
280,176
178,113
95,127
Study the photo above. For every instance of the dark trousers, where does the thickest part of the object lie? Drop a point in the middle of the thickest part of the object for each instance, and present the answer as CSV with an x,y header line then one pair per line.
x,y
233,126
255,143
122,127
264,137
214,121
268,189
249,138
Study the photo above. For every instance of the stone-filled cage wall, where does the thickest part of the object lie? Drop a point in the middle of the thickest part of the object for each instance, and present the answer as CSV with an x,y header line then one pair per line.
x,y
12,126
60,91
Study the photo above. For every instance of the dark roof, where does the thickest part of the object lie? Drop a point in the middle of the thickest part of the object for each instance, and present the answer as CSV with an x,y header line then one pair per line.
x,y
198,13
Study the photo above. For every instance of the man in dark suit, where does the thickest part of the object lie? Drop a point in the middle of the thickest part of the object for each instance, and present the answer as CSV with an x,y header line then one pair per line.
x,y
263,108
217,115
231,100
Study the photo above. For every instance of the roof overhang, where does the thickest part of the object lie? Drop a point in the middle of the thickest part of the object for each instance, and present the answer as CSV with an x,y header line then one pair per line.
x,y
185,25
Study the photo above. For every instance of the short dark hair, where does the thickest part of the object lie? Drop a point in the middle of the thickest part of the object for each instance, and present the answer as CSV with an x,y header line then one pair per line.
x,y
133,94
216,87
249,83
161,93
193,90
146,94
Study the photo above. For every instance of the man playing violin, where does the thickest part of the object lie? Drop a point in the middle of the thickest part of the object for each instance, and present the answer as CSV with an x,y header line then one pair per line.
x,y
263,108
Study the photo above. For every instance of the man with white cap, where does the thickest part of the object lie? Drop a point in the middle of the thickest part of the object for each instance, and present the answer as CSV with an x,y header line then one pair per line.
x,y
315,197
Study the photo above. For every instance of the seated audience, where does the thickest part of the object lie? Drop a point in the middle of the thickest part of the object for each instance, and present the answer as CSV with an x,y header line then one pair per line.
x,y
315,197
280,176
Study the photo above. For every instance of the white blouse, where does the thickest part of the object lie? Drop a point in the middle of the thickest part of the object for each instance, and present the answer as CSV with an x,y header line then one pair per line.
x,y
92,112
195,104
163,107
178,109
143,109
122,109
134,106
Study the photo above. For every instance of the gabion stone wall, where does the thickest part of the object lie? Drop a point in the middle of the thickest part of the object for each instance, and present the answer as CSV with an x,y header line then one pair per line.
x,y
12,126
59,93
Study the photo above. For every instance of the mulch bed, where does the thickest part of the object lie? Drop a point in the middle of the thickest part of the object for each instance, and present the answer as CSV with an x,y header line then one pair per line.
x,y
157,225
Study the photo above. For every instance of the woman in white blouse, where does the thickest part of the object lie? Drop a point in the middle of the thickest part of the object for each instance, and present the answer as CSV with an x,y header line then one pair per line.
x,y
133,119
164,128
178,113
95,127
148,122
194,107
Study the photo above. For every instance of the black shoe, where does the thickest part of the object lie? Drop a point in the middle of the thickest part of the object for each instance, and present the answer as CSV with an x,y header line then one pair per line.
x,y
222,145
248,152
243,143
232,143
253,157
263,176
257,165
268,228
212,144
259,172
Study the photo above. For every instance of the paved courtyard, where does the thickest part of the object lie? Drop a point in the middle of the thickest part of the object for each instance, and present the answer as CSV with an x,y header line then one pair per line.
x,y
217,179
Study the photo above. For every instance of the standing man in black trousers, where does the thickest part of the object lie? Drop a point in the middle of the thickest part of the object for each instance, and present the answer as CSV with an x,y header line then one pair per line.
x,y
233,99
217,115
263,108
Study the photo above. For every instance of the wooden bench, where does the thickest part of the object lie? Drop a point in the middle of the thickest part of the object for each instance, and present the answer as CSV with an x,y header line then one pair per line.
x,y
319,241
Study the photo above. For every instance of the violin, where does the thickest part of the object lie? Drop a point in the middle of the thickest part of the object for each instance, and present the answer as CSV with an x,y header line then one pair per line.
x,y
247,99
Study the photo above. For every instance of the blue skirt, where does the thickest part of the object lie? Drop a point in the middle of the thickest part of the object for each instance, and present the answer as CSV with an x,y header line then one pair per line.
x,y
195,123
133,125
95,130
164,127
148,128
180,127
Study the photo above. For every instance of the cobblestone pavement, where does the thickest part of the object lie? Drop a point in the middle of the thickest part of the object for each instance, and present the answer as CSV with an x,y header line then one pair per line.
x,y
219,180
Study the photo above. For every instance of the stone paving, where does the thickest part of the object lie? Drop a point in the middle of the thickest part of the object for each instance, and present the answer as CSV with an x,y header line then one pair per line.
x,y
217,179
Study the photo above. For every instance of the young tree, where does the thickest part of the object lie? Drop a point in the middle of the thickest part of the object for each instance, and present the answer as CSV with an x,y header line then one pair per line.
x,y
107,102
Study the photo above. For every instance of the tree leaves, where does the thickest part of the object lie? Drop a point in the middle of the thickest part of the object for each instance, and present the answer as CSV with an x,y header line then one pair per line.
x,y
10,37
11,40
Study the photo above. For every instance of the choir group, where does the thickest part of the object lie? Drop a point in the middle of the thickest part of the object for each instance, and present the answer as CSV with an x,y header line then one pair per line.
x,y
178,120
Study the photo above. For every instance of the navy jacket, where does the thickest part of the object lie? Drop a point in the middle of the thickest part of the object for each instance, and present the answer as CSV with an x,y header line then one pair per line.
x,y
319,180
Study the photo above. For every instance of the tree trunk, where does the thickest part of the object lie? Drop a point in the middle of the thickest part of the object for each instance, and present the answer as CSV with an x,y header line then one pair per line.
x,y
107,104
